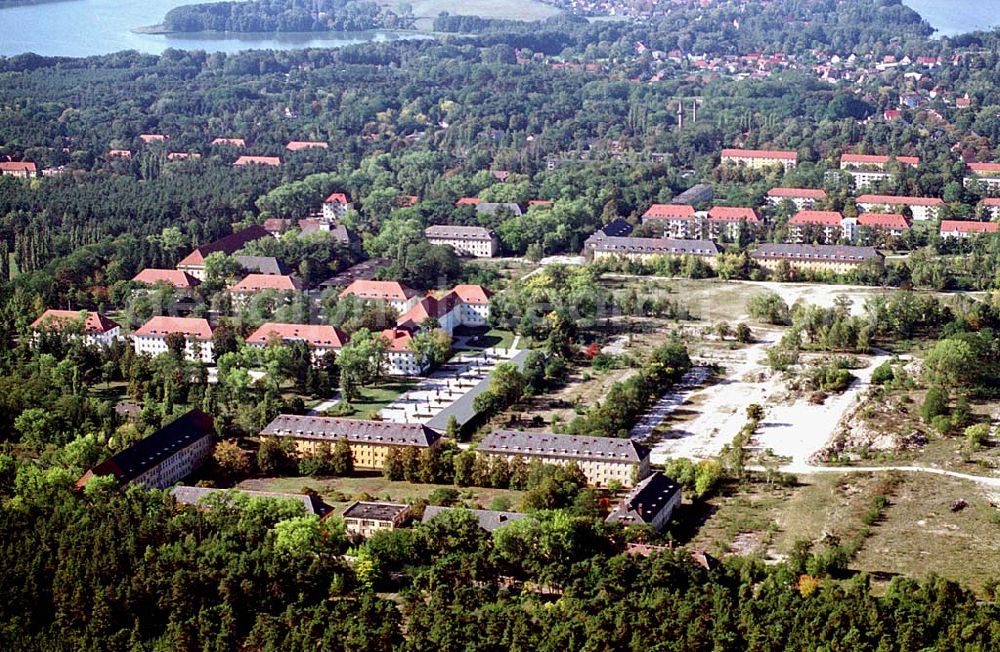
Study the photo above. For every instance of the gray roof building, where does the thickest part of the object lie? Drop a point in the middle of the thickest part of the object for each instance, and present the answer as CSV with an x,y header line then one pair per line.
x,y
650,502
617,228
491,208
375,511
821,253
194,495
261,265
489,520
656,246
547,444
464,408
444,231
355,431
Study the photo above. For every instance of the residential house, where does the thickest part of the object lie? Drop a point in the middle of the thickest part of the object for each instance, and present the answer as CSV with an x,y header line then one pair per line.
x,y
868,170
335,206
726,222
984,175
803,198
966,228
21,169
884,224
254,284
603,460
271,161
761,158
678,220
175,278
194,263
370,441
921,208
401,358
838,259
394,293
299,145
649,249
229,142
321,338
152,138
651,502
167,456
475,241
95,328
151,337
488,519
807,226
364,518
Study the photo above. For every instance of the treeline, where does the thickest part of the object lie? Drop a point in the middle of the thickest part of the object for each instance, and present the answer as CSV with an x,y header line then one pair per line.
x,y
275,16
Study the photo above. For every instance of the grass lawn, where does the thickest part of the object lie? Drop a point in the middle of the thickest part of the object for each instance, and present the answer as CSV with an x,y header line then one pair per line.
x,y
487,337
339,492
373,399
115,391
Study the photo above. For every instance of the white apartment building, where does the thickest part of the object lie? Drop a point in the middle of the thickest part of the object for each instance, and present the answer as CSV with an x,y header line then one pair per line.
x,y
922,208
95,328
761,158
474,241
151,337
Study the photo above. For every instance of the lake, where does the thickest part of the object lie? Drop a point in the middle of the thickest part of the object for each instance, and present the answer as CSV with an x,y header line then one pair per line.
x,y
80,28
952,17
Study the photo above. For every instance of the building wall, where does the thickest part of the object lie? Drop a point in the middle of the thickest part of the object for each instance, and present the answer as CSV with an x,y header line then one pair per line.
x,y
367,527
197,271
370,457
663,516
405,363
990,184
154,345
598,473
486,248
646,258
801,203
758,163
100,340
866,179
842,267
920,213
178,466
335,210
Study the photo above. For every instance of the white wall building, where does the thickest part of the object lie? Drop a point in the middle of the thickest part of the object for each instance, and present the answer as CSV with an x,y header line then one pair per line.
x,y
151,337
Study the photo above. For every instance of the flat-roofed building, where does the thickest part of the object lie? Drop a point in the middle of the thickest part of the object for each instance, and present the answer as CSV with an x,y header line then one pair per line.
x,y
151,337
603,460
761,158
922,208
648,249
838,259
475,241
167,456
365,518
370,441
966,228
321,338
803,198
651,502
93,327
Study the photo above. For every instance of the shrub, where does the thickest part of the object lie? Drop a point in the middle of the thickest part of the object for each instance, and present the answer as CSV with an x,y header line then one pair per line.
x,y
883,374
976,435
935,404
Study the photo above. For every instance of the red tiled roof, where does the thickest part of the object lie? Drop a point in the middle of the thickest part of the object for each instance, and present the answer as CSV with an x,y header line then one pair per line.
x,y
408,200
388,290
259,282
984,168
472,294
189,326
826,218
893,200
965,226
298,145
234,142
273,161
173,277
805,193
760,153
871,159
539,202
669,211
337,198
426,308
732,214
468,201
119,153
318,335
18,166
94,322
398,338
991,201
883,220
152,138
227,245
276,224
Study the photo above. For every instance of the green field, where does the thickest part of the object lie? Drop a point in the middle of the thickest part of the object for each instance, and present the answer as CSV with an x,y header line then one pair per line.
x,y
427,10
373,399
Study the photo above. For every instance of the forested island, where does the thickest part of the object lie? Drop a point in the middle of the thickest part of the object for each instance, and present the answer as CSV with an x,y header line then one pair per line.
x,y
279,16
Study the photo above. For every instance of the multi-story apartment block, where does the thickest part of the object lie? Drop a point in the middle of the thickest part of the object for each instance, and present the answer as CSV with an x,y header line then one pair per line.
x,y
151,337
465,305
922,208
726,221
93,327
370,441
868,170
194,263
602,459
364,519
473,241
649,249
402,359
966,228
803,198
991,207
807,257
394,293
761,158
321,338
984,175
825,226
167,456
678,220
885,224
336,205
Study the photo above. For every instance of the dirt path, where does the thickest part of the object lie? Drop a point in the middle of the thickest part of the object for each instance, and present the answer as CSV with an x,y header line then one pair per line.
x,y
806,469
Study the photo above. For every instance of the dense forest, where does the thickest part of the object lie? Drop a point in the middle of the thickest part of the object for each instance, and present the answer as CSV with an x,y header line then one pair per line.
x,y
276,16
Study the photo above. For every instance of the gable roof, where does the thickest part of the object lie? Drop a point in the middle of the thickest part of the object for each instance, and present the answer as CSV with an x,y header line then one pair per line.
x,y
472,294
645,501
797,193
161,326
261,264
399,339
337,198
227,245
427,308
894,200
669,211
273,161
386,433
732,214
968,226
828,253
547,444
826,218
492,208
93,322
18,166
655,246
875,159
298,145
149,452
468,201
318,335
883,220
983,168
384,290
232,142
478,233
259,282
194,495
760,153
488,519
173,277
